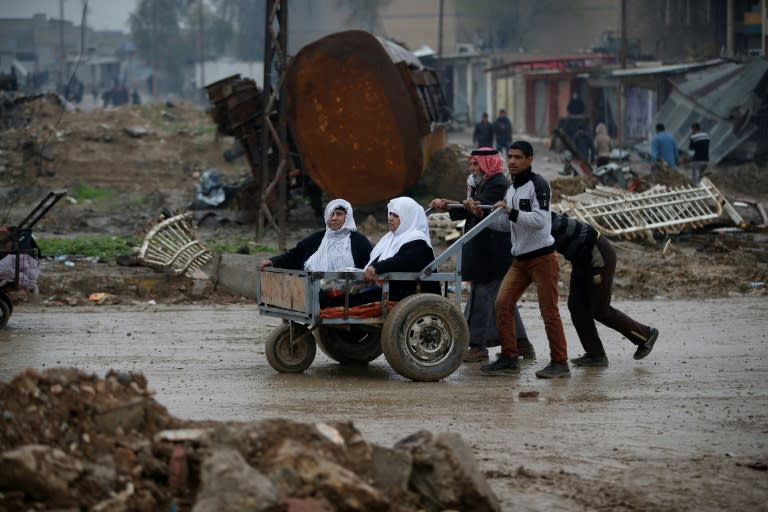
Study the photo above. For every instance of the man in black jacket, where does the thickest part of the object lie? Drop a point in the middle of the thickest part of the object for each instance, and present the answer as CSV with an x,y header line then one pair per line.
x,y
483,134
699,144
593,262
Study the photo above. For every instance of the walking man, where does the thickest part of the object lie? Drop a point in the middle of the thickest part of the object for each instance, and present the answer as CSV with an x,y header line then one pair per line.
x,y
699,144
528,219
483,134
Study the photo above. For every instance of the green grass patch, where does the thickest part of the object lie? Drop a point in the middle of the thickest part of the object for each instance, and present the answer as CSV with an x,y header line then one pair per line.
x,y
84,192
105,247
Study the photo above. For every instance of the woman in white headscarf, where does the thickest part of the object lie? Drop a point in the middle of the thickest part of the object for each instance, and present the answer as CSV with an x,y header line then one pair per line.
x,y
405,248
338,247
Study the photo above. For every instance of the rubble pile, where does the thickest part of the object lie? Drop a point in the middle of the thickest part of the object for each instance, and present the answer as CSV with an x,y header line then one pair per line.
x,y
72,440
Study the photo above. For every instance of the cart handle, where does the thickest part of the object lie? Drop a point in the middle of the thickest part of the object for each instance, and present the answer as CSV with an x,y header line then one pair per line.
x,y
42,208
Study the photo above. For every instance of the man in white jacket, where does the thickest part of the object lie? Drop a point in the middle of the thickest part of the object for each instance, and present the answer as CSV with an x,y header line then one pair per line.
x,y
529,221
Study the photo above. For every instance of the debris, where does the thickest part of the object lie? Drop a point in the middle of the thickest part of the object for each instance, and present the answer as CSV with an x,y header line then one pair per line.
x,y
172,245
138,457
136,131
616,212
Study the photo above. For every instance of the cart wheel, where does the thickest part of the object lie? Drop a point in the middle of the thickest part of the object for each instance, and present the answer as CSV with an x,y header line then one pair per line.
x,y
424,337
290,352
6,308
354,346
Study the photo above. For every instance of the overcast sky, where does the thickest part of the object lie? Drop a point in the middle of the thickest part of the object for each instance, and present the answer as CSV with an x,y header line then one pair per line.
x,y
102,14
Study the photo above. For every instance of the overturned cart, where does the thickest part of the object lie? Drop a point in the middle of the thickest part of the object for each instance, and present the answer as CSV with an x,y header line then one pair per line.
x,y
423,337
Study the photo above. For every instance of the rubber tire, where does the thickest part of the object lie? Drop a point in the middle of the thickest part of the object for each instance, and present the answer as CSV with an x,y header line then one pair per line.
x,y
356,346
430,316
6,309
286,358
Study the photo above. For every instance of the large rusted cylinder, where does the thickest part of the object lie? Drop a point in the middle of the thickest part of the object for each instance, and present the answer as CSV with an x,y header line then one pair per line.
x,y
364,115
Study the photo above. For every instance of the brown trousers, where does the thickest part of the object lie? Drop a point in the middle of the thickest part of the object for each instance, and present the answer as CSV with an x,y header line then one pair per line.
x,y
542,270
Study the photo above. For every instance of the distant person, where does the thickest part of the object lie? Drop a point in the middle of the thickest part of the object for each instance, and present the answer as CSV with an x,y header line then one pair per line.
x,y
529,222
699,144
486,258
663,147
583,143
603,145
405,248
593,265
576,106
483,134
135,98
502,130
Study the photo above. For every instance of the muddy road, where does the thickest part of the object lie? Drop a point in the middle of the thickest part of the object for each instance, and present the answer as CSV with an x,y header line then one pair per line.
x,y
684,429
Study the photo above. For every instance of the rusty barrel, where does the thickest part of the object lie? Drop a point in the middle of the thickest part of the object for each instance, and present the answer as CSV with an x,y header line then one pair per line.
x,y
357,117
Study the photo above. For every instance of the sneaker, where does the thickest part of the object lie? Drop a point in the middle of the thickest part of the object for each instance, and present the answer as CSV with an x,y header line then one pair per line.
x,y
476,355
588,360
501,366
645,348
553,371
525,349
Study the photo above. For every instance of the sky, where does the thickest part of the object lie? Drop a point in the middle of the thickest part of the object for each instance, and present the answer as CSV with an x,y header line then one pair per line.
x,y
102,14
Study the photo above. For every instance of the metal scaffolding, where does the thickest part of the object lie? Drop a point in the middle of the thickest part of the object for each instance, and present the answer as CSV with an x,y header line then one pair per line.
x,y
274,133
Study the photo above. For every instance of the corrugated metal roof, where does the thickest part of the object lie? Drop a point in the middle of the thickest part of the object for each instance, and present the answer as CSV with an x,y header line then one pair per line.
x,y
670,68
720,99
723,88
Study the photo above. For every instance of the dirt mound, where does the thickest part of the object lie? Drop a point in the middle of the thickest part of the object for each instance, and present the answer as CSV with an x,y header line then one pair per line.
x,y
124,162
71,440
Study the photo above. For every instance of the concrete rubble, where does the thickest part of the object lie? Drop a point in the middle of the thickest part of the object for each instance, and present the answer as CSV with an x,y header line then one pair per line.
x,y
72,440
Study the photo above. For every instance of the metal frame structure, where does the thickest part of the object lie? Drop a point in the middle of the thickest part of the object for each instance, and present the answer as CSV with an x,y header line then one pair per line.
x,y
616,212
274,135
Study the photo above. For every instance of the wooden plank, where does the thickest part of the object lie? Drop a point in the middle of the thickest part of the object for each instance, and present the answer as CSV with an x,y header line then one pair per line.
x,y
283,291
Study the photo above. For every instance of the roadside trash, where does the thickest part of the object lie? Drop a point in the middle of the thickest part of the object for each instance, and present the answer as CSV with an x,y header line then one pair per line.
x,y
103,298
755,284
136,131
212,192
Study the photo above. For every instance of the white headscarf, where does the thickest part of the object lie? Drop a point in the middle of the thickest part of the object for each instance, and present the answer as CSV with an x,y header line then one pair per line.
x,y
413,226
335,251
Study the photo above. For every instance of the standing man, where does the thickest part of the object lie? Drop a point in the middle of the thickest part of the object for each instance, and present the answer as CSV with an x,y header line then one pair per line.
x,y
593,262
502,129
663,146
483,134
699,144
486,258
528,219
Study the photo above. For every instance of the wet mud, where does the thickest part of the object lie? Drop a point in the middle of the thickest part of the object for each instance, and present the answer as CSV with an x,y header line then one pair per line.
x,y
684,429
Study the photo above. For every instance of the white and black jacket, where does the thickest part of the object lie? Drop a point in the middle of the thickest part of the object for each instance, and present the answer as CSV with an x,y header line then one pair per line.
x,y
529,222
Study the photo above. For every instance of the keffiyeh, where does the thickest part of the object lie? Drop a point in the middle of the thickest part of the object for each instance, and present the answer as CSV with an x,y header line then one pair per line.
x,y
489,160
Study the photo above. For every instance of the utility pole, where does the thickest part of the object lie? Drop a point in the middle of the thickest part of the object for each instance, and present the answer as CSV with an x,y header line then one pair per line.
x,y
440,30
274,135
201,85
63,54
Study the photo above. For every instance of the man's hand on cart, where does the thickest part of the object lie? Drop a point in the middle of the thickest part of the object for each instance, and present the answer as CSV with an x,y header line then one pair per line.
x,y
502,204
474,207
266,262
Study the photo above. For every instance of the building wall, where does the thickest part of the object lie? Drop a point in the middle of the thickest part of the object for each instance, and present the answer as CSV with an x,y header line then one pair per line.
x,y
416,24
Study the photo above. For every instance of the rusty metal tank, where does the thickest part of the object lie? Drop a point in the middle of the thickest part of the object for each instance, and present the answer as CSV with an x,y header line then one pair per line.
x,y
364,114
